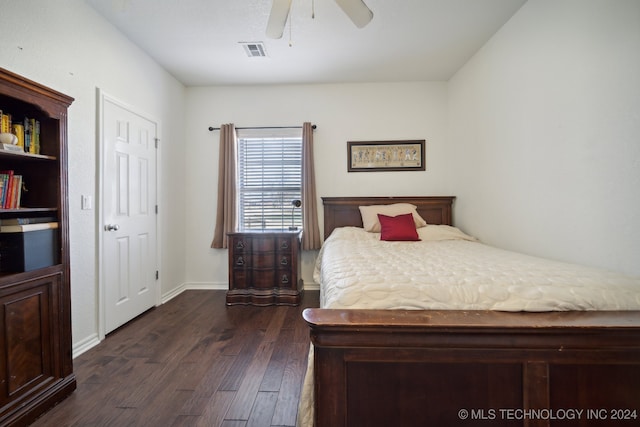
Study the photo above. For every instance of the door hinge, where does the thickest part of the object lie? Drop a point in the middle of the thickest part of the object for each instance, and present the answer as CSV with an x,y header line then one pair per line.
x,y
157,142
156,209
157,274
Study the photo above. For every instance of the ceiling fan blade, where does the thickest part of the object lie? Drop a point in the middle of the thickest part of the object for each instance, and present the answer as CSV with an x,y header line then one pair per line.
x,y
278,18
357,11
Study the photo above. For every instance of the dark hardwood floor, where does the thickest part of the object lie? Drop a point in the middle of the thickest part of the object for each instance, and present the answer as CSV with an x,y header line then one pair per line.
x,y
193,362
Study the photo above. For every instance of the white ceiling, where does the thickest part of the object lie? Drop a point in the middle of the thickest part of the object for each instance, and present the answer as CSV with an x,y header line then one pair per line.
x,y
198,41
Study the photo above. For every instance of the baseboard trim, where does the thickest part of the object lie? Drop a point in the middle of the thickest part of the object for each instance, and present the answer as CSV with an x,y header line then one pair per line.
x,y
85,345
311,287
172,293
207,285
193,286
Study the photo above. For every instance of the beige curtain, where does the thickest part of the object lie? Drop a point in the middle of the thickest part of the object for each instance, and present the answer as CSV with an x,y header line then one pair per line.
x,y
226,218
311,230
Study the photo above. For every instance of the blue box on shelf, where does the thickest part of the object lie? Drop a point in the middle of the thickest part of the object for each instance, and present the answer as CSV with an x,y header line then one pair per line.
x,y
28,250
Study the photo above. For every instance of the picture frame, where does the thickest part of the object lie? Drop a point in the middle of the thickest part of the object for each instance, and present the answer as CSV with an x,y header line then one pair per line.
x,y
384,156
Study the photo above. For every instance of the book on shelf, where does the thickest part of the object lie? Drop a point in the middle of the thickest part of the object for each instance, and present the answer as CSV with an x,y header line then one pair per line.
x,y
19,228
6,177
5,122
16,192
32,136
27,220
32,132
12,187
18,131
27,132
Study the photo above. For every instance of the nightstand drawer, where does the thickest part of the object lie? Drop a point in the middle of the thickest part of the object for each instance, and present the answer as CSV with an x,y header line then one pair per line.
x,y
241,279
266,260
264,279
263,244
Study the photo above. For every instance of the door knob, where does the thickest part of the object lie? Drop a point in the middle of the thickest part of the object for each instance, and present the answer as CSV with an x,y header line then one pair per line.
x,y
111,227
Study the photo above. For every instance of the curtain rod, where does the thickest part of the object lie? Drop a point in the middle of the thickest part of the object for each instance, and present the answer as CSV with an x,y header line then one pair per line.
x,y
211,128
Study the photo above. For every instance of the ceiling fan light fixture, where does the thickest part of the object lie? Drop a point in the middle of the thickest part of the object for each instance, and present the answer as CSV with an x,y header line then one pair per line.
x,y
278,18
357,11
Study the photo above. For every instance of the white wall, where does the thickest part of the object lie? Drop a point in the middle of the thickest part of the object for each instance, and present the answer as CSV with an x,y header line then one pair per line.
x,y
544,134
66,45
349,112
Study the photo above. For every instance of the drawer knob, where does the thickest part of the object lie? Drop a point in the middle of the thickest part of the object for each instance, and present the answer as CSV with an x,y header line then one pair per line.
x,y
240,261
240,245
284,261
285,278
284,245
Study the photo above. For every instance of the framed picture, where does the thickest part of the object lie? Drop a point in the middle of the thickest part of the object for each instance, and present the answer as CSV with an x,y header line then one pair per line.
x,y
370,156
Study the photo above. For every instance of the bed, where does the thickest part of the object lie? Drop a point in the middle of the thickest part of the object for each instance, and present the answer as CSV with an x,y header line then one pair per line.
x,y
556,360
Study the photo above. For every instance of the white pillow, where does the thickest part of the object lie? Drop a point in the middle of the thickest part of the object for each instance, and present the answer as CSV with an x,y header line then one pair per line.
x,y
443,232
370,215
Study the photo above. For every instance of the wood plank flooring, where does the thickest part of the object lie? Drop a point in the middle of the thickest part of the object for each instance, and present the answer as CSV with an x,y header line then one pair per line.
x,y
193,362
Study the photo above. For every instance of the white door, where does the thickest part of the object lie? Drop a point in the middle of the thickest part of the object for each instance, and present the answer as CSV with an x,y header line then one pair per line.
x,y
129,217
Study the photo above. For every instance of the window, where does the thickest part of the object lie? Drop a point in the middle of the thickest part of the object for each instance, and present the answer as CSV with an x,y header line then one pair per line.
x,y
269,178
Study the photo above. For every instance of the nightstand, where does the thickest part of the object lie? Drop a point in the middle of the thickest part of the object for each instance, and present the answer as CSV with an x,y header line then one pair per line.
x,y
264,268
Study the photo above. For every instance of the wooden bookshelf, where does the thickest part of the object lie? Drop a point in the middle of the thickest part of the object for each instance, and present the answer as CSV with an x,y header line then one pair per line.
x,y
36,367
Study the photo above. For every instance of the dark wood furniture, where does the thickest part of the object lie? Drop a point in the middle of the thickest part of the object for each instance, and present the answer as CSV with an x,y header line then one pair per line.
x,y
36,369
264,268
436,368
344,211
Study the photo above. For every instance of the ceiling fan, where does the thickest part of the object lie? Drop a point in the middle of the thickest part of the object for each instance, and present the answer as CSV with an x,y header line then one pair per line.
x,y
356,10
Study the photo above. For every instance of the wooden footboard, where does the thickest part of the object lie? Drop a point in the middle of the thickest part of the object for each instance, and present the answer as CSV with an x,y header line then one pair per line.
x,y
476,368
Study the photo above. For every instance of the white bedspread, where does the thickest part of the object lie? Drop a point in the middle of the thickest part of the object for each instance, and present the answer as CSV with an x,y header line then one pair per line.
x,y
449,270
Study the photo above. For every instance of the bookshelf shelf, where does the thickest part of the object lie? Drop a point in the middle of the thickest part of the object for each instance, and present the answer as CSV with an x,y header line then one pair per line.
x,y
35,302
24,156
26,211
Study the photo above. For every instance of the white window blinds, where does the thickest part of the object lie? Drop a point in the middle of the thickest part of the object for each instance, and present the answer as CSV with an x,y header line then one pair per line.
x,y
269,178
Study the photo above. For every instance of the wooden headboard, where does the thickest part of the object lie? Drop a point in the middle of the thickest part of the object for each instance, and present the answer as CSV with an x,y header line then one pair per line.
x,y
343,211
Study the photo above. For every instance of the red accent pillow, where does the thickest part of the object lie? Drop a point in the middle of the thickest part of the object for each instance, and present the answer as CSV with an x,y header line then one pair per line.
x,y
398,228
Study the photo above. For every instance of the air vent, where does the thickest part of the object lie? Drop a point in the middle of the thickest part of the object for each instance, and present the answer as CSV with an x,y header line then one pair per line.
x,y
254,49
